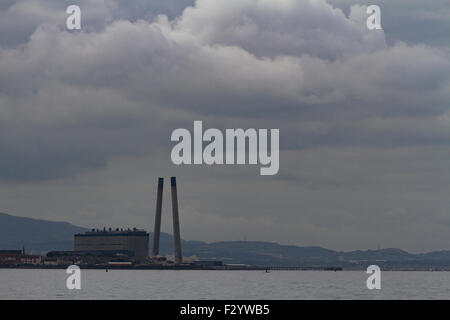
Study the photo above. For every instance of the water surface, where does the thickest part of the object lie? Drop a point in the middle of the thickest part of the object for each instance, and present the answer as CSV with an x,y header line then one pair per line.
x,y
195,284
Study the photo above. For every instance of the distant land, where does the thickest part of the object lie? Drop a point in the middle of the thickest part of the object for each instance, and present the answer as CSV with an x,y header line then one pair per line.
x,y
41,236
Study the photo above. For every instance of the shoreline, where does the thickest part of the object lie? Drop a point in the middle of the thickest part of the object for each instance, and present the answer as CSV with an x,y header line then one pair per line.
x,y
212,268
175,267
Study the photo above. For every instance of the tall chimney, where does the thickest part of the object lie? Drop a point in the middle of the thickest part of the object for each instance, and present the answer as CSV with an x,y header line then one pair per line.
x,y
176,222
157,231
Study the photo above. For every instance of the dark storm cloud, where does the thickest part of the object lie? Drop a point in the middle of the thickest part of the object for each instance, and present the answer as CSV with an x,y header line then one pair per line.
x,y
278,64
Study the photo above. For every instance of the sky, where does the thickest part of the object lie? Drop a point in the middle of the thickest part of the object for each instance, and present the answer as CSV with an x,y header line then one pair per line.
x,y
86,117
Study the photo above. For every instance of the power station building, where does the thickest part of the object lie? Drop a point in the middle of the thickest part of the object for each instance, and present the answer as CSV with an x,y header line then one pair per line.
x,y
134,240
132,243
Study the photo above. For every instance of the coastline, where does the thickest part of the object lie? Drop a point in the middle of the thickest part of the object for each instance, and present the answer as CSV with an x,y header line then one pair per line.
x,y
174,267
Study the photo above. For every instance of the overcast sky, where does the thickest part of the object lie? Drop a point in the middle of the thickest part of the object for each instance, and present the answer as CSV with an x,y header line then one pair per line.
x,y
86,117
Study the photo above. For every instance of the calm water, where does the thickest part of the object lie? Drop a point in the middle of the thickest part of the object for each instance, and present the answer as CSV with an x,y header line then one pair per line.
x,y
167,284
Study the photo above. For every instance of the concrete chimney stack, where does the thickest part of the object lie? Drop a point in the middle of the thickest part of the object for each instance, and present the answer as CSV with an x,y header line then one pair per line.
x,y
176,222
157,231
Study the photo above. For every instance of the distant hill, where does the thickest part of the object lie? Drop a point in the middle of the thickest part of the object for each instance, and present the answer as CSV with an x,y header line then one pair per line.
x,y
40,236
274,254
36,235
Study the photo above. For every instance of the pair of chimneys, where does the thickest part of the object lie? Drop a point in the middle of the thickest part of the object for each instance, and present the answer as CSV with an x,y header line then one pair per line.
x,y
176,220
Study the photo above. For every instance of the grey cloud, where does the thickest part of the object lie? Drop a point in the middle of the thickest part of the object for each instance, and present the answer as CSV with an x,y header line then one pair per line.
x,y
364,121
224,58
271,29
19,19
411,21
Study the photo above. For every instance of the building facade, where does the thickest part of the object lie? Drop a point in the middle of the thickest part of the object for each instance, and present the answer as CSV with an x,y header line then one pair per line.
x,y
134,240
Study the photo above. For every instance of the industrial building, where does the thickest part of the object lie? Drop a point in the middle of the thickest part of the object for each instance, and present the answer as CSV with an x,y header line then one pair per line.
x,y
132,240
136,241
108,242
115,247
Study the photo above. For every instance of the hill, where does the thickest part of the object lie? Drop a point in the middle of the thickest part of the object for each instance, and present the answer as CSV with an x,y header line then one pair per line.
x,y
40,236
36,235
